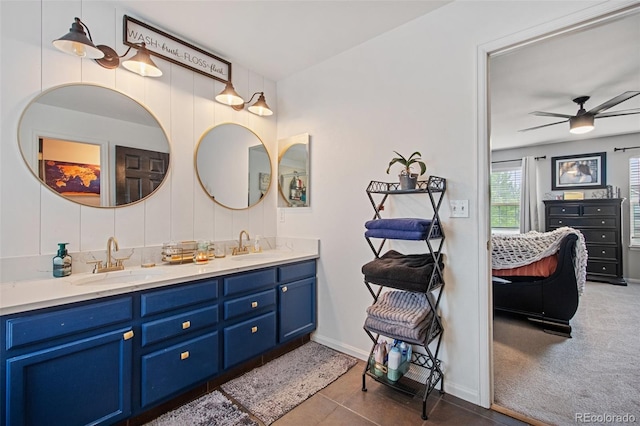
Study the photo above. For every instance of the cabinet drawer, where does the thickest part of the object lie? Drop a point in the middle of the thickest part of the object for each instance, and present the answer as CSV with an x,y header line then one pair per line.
x,y
602,252
573,210
583,222
254,302
599,210
602,268
178,297
166,328
243,283
170,370
35,328
594,236
249,338
297,271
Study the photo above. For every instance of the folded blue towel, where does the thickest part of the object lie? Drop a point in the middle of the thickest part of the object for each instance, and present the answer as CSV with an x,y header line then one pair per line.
x,y
394,234
399,224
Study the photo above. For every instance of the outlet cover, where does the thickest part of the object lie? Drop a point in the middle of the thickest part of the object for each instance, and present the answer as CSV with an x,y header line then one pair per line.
x,y
459,208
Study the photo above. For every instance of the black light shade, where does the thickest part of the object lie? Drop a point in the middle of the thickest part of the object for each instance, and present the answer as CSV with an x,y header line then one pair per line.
x,y
76,42
581,124
142,64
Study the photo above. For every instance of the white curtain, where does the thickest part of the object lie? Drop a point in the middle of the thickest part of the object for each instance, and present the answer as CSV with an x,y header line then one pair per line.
x,y
529,196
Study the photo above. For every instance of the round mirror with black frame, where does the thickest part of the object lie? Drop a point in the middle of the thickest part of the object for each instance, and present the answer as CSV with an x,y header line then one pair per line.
x,y
93,145
233,166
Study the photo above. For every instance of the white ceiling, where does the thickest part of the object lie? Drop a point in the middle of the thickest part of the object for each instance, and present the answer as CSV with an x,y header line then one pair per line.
x,y
277,38
601,61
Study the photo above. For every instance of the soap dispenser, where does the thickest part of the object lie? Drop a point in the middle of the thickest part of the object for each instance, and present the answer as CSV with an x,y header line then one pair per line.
x,y
62,262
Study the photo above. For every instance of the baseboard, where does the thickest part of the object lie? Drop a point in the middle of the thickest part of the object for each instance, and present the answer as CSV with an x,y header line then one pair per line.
x,y
340,346
462,392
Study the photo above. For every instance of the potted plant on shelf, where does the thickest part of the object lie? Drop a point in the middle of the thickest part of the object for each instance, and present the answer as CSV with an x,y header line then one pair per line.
x,y
408,179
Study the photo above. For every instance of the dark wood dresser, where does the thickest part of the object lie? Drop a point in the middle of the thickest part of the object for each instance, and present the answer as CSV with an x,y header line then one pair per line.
x,y
599,220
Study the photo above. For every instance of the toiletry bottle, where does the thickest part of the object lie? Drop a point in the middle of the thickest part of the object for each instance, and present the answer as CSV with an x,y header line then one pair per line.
x,y
394,364
62,262
404,351
256,245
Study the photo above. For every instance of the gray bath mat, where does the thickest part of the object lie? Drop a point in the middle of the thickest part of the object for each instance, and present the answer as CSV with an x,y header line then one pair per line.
x,y
213,409
270,391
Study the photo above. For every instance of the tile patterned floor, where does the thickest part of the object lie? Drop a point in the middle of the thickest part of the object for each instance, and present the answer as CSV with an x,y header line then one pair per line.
x,y
344,403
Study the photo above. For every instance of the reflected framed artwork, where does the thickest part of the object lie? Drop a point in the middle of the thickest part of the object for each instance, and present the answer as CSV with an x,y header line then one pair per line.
x,y
72,179
583,171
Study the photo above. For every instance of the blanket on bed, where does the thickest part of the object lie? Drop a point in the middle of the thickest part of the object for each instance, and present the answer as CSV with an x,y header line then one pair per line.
x,y
511,251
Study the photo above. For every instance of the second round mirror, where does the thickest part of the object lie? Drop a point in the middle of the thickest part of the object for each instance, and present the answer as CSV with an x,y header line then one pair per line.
x,y
233,166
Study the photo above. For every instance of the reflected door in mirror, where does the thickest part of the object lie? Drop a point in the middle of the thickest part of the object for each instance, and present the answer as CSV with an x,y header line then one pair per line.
x,y
138,173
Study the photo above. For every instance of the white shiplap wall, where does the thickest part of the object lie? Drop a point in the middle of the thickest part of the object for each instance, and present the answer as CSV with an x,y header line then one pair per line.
x,y
33,219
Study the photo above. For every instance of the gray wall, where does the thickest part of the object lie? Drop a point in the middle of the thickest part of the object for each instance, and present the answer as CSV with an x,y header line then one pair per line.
x,y
617,175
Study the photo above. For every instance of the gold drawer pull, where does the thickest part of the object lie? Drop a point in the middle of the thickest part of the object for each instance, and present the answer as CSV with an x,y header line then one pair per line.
x,y
128,335
186,325
184,355
284,289
254,304
254,329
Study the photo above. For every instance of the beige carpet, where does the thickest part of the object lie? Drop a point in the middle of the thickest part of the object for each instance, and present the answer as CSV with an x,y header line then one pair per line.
x,y
560,381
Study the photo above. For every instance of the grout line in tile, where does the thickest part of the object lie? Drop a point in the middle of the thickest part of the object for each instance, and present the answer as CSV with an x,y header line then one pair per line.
x,y
349,409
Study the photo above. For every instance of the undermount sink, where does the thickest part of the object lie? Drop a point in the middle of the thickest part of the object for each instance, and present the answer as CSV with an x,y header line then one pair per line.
x,y
255,256
119,277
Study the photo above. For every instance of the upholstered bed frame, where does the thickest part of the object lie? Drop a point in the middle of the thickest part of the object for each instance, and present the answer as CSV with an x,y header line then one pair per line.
x,y
550,301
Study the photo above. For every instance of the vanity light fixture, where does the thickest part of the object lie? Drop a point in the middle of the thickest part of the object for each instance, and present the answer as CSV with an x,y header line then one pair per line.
x,y
76,42
230,97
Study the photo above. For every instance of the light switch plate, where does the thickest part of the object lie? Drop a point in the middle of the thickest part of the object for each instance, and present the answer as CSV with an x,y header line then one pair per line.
x,y
459,208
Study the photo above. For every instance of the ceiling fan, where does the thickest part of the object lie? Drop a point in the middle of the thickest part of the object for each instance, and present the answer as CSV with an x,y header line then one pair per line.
x,y
582,122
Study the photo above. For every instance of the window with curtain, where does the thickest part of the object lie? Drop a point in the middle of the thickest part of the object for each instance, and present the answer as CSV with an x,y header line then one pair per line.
x,y
634,200
505,199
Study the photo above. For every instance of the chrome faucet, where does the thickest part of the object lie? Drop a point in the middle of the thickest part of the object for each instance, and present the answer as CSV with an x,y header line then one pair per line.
x,y
112,243
241,249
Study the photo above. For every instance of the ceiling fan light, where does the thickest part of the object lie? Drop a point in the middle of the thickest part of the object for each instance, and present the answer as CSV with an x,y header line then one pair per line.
x,y
229,96
581,124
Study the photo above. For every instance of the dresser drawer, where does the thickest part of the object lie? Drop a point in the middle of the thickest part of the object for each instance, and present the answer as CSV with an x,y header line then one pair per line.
x,y
166,328
250,281
602,252
600,210
36,328
170,370
249,338
254,302
178,297
596,236
602,268
297,271
564,210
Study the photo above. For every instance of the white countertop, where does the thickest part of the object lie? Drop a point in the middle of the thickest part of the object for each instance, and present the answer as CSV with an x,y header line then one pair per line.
x,y
21,296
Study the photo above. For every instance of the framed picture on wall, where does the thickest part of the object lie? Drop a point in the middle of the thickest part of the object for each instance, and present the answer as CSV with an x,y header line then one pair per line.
x,y
583,171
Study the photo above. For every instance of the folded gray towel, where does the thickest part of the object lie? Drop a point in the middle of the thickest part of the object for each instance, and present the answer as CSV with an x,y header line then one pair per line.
x,y
400,308
417,334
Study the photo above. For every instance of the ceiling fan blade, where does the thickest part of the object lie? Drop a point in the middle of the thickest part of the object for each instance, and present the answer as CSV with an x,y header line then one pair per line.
x,y
550,114
544,125
617,113
613,102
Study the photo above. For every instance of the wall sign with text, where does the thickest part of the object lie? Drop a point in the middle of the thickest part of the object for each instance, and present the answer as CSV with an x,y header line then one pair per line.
x,y
174,50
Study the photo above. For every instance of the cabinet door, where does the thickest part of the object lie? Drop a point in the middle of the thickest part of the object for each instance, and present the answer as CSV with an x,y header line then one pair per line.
x,y
87,381
296,308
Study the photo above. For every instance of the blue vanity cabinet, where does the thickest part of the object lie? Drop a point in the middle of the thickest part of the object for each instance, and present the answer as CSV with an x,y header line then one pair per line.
x,y
297,313
250,315
68,366
179,339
